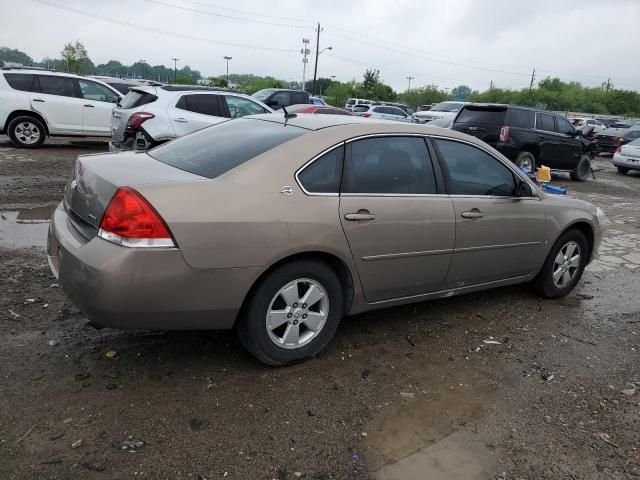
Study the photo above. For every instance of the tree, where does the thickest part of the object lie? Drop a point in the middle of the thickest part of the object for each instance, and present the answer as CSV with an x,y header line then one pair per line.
x,y
370,79
424,96
219,82
76,58
14,56
461,92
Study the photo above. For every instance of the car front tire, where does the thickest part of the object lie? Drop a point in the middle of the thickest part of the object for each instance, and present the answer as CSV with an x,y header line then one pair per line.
x,y
564,266
293,313
622,170
581,173
26,132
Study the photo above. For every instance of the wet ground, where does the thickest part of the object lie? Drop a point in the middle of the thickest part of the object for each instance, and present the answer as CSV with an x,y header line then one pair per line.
x,y
494,385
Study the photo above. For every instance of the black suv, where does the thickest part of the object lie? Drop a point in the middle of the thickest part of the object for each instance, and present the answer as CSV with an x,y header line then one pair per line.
x,y
528,137
277,98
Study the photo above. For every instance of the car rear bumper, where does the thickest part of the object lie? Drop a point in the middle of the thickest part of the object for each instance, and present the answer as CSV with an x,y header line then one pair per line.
x,y
132,288
607,148
624,161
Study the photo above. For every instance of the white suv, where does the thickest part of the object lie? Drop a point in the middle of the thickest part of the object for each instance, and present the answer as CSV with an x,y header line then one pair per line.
x,y
35,104
148,116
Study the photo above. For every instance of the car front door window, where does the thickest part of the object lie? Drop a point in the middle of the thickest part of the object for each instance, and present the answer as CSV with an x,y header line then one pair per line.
x,y
240,107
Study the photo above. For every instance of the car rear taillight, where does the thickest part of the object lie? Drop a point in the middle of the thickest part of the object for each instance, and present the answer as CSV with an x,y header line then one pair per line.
x,y
131,221
137,119
365,115
619,149
504,135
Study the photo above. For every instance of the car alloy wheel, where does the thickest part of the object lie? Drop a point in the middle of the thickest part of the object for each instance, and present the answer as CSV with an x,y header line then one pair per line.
x,y
566,264
297,313
27,133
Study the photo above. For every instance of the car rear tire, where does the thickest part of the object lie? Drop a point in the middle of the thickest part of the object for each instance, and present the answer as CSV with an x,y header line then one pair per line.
x,y
622,170
293,313
582,171
26,132
526,160
564,266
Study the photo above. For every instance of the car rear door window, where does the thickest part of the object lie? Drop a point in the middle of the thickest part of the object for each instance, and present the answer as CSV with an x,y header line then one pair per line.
x,y
473,171
545,122
205,104
212,151
564,126
323,175
389,165
62,86
20,81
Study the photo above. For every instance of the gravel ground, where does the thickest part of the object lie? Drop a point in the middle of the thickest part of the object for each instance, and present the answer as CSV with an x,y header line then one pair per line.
x,y
414,392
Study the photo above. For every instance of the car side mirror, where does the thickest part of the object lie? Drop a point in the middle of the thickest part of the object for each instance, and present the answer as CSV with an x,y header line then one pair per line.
x,y
524,190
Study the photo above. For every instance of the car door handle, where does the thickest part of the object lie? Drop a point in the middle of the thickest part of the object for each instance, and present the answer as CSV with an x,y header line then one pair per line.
x,y
361,215
181,120
475,213
38,100
89,106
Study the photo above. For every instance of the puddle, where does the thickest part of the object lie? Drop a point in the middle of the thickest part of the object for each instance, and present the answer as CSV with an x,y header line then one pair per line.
x,y
425,436
25,228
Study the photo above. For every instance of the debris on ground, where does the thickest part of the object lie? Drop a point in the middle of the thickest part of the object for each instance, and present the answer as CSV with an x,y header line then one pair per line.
x,y
629,391
76,444
606,439
133,445
112,354
407,395
52,343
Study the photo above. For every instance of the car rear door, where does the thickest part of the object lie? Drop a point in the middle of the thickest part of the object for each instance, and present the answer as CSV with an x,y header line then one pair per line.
x,y
498,234
97,107
482,121
194,111
56,99
399,223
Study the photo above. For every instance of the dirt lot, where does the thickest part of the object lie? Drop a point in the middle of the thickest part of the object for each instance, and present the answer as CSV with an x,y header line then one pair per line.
x,y
499,384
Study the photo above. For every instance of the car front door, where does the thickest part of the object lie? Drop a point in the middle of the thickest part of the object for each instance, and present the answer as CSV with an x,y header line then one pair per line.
x,y
548,140
97,107
54,97
399,224
195,111
499,235
569,147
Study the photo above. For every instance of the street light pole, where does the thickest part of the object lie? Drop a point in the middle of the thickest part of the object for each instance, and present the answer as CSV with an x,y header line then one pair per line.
x,y
175,68
409,87
304,51
227,59
142,63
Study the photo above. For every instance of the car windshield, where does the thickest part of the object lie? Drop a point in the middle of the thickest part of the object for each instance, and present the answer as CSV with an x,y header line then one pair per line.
x,y
263,94
212,151
447,107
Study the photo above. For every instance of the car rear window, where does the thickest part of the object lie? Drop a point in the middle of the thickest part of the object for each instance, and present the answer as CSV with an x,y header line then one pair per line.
x,y
361,108
136,98
212,151
485,116
20,81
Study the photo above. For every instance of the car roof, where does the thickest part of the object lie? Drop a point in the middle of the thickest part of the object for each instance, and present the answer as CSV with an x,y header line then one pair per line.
x,y
41,71
192,88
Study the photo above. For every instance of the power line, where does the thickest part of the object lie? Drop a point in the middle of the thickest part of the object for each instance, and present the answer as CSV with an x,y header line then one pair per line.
x,y
244,12
162,32
228,17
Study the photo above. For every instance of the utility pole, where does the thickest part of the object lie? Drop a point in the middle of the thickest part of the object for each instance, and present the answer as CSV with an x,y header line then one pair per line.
x,y
608,87
227,59
142,62
533,77
304,51
175,68
491,85
315,69
409,87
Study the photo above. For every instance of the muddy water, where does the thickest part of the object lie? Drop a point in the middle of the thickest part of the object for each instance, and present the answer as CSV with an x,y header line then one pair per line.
x,y
25,228
423,435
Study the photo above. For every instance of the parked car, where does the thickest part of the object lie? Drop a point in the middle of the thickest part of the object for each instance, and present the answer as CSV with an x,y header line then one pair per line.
x,y
610,139
607,122
384,112
278,227
528,137
149,116
317,101
352,102
425,108
627,157
35,104
277,98
441,110
318,109
580,122
124,84
405,108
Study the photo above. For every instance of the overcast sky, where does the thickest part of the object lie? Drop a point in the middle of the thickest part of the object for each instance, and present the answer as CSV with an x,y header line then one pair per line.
x,y
444,42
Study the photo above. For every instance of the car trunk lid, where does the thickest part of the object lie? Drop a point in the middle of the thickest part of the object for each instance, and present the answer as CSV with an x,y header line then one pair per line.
x,y
95,179
482,121
134,101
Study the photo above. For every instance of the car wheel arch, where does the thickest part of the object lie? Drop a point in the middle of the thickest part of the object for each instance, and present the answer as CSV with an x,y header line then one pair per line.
x,y
26,113
583,226
532,149
334,262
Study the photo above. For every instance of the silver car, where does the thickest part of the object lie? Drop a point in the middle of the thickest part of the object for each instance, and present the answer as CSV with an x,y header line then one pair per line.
x,y
280,226
381,112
